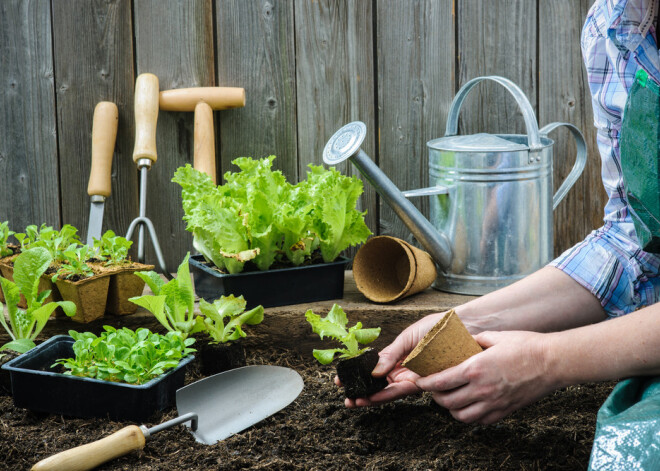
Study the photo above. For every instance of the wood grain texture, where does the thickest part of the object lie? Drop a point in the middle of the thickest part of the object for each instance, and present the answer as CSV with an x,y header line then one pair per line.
x,y
498,37
93,53
564,96
416,70
335,82
174,41
29,186
256,51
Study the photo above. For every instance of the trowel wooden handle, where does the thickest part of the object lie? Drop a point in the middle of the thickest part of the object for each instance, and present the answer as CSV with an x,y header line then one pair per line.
x,y
186,99
93,454
146,115
104,134
204,157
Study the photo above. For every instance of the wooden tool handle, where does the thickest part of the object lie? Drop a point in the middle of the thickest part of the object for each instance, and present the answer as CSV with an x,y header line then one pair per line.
x,y
146,115
93,454
186,99
104,134
204,157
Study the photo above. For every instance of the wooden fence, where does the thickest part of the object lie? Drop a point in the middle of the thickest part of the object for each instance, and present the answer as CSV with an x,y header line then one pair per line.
x,y
308,67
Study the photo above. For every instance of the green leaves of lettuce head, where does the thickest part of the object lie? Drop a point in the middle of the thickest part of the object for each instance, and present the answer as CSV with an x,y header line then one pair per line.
x,y
257,216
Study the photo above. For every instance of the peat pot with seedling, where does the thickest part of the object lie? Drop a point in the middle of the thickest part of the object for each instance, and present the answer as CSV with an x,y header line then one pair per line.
x,y
268,240
355,364
120,374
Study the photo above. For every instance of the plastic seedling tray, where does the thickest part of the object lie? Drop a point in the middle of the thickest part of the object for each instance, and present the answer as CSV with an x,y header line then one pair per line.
x,y
37,387
269,288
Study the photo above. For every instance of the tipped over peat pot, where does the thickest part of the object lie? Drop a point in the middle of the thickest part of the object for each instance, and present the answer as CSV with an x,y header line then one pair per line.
x,y
38,387
270,288
355,375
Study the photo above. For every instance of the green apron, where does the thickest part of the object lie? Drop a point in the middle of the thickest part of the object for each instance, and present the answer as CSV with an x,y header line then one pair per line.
x,y
640,163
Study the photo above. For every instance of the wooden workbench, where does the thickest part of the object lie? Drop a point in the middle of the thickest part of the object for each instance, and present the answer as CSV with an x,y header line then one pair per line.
x,y
286,326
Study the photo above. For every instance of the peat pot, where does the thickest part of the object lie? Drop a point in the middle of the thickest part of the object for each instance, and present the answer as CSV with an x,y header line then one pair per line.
x,y
490,221
269,288
35,386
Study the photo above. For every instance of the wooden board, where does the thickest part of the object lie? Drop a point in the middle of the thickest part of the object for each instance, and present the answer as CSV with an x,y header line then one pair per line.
x,y
29,184
102,71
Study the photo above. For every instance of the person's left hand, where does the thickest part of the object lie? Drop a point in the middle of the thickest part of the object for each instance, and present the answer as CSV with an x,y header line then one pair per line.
x,y
511,373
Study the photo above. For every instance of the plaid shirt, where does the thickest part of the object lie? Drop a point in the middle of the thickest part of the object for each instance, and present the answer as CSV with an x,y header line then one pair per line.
x,y
618,39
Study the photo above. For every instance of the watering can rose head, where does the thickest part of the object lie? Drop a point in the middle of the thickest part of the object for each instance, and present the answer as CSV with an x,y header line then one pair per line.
x,y
258,217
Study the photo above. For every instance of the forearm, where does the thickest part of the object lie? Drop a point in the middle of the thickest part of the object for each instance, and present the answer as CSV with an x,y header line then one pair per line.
x,y
546,301
614,349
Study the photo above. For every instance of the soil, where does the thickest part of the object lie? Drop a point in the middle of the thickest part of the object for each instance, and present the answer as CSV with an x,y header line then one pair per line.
x,y
316,432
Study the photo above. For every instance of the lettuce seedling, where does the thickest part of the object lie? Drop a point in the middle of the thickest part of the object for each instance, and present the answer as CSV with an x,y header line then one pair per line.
x,y
334,326
123,355
112,248
5,234
75,263
173,303
231,309
23,325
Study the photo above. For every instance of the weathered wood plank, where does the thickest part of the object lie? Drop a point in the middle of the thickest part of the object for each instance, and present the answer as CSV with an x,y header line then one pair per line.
x,y
335,81
256,51
28,148
174,41
564,96
416,76
496,38
93,52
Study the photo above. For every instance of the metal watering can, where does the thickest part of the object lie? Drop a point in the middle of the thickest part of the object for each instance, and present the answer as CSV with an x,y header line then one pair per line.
x,y
490,221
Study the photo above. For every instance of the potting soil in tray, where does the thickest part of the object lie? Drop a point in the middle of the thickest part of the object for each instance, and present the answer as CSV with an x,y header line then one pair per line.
x,y
37,387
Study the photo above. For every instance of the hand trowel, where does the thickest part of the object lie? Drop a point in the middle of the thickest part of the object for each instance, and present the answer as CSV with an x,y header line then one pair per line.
x,y
215,407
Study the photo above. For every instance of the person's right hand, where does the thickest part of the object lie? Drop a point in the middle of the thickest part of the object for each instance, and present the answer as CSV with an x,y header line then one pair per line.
x,y
401,380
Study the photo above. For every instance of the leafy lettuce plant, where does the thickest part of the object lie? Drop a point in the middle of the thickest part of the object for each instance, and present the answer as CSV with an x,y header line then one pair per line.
x,y
75,263
172,303
111,248
258,216
224,317
23,325
123,355
56,242
333,325
5,234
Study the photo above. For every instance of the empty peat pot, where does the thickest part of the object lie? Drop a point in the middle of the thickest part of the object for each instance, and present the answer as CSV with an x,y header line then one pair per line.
x,y
387,269
355,375
447,344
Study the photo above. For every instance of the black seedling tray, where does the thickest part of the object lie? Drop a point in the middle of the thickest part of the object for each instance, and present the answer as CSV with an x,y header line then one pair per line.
x,y
37,387
280,287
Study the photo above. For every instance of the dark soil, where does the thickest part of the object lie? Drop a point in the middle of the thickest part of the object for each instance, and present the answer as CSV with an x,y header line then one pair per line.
x,y
316,432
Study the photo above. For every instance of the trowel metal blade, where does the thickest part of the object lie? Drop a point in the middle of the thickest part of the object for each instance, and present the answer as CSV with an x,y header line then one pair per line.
x,y
95,225
230,402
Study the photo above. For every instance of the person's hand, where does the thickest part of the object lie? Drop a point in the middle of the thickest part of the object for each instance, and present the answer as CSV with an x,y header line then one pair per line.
x,y
511,373
401,380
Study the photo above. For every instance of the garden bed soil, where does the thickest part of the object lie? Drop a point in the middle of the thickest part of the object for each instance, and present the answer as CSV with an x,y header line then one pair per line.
x,y
316,432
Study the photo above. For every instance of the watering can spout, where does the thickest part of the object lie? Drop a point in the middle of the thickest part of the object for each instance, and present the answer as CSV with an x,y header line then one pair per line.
x,y
345,144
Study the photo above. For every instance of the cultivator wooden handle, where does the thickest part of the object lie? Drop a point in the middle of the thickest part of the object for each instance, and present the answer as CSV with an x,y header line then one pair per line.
x,y
203,100
93,454
146,116
104,134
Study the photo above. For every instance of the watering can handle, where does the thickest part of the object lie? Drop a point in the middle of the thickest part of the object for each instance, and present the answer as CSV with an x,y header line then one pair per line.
x,y
578,166
521,99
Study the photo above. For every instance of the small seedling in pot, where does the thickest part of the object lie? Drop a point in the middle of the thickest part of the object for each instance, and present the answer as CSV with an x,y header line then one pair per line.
x,y
356,364
222,321
74,264
24,325
5,234
173,303
113,249
125,356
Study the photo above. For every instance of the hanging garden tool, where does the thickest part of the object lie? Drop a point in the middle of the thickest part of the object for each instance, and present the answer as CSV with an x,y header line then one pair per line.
x,y
104,134
203,101
144,155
